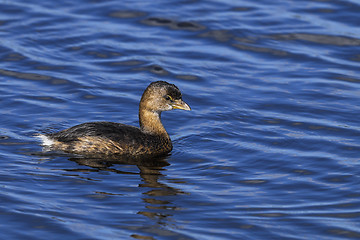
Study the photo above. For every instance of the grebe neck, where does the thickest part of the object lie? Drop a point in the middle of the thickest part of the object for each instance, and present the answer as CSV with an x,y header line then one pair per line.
x,y
150,122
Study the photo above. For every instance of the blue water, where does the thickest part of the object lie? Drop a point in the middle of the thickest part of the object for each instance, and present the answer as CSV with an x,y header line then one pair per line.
x,y
270,149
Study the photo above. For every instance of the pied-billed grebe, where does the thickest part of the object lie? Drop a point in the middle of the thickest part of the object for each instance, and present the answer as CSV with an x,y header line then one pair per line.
x,y
109,138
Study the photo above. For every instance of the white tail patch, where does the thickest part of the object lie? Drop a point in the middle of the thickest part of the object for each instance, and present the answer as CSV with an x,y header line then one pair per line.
x,y
46,141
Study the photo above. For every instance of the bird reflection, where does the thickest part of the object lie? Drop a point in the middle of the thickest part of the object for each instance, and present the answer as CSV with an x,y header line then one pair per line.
x,y
157,204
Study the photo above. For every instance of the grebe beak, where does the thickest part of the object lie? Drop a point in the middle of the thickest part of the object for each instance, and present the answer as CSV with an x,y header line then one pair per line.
x,y
180,104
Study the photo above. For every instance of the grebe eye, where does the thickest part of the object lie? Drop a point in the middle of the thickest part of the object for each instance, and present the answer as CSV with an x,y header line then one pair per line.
x,y
167,97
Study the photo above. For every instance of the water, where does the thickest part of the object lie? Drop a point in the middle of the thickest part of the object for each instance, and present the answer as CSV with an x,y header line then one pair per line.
x,y
269,151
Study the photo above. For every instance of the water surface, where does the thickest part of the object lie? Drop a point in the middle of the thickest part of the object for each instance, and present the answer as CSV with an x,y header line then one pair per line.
x,y
270,149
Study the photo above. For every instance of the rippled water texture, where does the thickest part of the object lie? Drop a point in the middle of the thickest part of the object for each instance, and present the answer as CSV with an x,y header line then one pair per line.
x,y
269,151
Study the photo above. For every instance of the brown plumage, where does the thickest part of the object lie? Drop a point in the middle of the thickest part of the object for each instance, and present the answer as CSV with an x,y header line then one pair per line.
x,y
109,138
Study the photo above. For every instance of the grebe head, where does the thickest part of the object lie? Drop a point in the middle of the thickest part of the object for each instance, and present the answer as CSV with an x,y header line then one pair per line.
x,y
162,96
